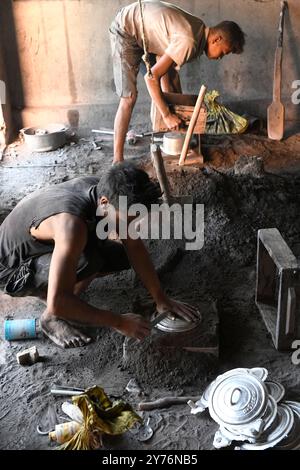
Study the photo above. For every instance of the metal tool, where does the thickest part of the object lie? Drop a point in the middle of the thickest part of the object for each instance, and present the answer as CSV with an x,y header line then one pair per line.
x,y
129,341
276,111
131,136
66,390
145,432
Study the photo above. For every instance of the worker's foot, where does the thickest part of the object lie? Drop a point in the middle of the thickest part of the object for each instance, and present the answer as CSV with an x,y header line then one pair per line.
x,y
63,334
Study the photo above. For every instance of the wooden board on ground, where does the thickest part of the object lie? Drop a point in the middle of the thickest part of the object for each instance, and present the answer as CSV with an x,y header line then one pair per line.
x,y
193,159
183,106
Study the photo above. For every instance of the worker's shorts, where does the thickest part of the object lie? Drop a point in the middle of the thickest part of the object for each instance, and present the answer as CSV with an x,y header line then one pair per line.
x,y
31,278
127,58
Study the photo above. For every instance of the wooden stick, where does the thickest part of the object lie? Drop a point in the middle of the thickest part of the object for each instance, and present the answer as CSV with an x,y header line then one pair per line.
x,y
164,402
192,125
161,173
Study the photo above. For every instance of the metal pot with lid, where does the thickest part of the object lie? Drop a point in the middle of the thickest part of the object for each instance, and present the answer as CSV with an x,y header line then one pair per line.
x,y
45,139
237,400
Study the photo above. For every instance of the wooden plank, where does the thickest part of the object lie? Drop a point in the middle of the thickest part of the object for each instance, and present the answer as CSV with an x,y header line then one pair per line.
x,y
283,339
269,316
161,173
183,107
180,99
277,287
290,327
265,276
192,125
278,248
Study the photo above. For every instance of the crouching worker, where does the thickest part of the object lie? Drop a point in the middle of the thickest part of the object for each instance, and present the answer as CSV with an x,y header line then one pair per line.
x,y
49,249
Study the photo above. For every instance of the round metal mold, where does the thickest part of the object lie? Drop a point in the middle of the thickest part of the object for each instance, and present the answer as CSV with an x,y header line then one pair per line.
x,y
295,405
234,436
45,139
173,143
260,372
276,390
206,394
251,431
292,442
238,400
280,429
176,325
271,413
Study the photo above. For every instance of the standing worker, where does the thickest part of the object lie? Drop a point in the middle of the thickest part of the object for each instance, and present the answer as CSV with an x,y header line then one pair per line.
x,y
161,31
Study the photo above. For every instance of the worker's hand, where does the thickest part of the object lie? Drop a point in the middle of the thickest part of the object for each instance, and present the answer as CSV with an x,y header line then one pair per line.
x,y
172,121
180,309
134,326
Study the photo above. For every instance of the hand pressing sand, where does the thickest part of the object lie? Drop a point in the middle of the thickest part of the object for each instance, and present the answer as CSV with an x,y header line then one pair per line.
x,y
63,334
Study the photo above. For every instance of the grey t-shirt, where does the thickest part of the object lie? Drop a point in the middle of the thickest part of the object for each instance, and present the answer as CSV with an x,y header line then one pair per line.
x,y
168,29
18,246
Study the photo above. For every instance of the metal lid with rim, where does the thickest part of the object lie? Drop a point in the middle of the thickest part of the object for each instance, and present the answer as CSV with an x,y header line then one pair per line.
x,y
275,389
280,428
176,325
238,399
254,429
292,442
230,436
260,372
295,405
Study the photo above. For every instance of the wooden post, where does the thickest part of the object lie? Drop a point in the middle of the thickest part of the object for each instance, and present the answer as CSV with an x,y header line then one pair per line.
x,y
192,125
161,173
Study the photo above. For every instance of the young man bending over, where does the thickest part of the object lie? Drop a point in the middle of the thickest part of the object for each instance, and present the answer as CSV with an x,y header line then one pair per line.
x,y
49,249
174,37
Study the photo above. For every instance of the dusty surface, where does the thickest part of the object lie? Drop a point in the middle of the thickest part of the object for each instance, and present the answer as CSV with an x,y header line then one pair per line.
x,y
236,206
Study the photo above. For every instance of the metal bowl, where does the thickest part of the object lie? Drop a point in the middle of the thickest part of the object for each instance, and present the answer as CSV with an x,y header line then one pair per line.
x,y
173,143
45,138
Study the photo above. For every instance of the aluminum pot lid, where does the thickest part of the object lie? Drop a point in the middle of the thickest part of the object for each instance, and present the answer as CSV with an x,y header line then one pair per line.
x,y
280,428
295,405
176,325
259,372
206,394
234,436
254,429
271,413
238,399
292,442
276,390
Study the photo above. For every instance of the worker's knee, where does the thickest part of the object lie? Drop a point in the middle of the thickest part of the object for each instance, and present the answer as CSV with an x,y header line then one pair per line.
x,y
128,101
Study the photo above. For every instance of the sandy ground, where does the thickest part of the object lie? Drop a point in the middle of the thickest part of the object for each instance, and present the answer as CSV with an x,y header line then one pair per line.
x,y
222,272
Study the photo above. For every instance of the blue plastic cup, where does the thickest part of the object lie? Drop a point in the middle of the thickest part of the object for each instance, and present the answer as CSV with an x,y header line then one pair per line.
x,y
20,329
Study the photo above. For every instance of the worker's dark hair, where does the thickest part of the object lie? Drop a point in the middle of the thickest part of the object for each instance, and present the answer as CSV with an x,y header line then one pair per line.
x,y
232,33
126,179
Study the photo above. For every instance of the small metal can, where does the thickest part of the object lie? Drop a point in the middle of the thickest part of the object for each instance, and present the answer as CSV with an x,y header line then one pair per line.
x,y
20,329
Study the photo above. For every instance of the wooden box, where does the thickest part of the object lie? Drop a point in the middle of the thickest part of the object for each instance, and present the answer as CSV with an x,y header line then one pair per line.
x,y
183,106
278,288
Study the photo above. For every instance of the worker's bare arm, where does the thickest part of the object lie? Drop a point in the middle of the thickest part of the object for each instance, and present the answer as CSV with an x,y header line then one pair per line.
x,y
69,234
142,264
170,82
161,68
